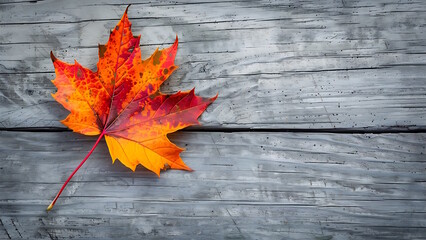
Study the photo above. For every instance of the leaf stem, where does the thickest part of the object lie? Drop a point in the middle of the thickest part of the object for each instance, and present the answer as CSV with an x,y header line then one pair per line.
x,y
75,170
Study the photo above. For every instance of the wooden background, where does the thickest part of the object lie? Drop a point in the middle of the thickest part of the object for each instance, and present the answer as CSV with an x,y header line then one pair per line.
x,y
319,131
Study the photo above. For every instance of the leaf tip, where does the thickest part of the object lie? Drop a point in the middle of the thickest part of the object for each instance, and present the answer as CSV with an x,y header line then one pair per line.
x,y
52,57
127,8
186,168
101,50
176,43
215,97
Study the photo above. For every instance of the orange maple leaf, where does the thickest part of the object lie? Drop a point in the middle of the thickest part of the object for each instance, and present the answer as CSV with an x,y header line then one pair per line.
x,y
122,102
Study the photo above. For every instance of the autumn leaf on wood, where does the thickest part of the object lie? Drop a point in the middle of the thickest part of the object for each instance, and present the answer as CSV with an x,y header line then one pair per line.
x,y
122,102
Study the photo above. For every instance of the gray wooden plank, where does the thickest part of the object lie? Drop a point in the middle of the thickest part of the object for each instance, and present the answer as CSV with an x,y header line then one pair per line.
x,y
245,185
303,64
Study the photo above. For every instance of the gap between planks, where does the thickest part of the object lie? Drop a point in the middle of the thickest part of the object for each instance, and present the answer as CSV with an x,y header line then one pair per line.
x,y
367,130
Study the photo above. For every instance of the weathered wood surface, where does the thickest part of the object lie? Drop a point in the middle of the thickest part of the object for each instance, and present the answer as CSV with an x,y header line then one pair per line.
x,y
245,185
279,64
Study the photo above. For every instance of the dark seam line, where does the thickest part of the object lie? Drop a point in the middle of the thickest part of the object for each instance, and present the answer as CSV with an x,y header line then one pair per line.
x,y
399,129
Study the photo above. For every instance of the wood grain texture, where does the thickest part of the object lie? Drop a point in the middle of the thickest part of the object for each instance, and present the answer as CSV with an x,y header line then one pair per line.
x,y
278,66
275,64
245,185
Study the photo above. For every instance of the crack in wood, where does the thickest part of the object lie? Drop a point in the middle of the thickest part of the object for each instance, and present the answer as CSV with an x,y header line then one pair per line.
x,y
16,228
7,233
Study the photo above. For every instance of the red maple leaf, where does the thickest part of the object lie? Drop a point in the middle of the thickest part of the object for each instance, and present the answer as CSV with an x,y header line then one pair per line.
x,y
122,102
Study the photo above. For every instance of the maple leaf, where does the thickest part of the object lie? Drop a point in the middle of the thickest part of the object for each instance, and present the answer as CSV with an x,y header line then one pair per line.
x,y
122,102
